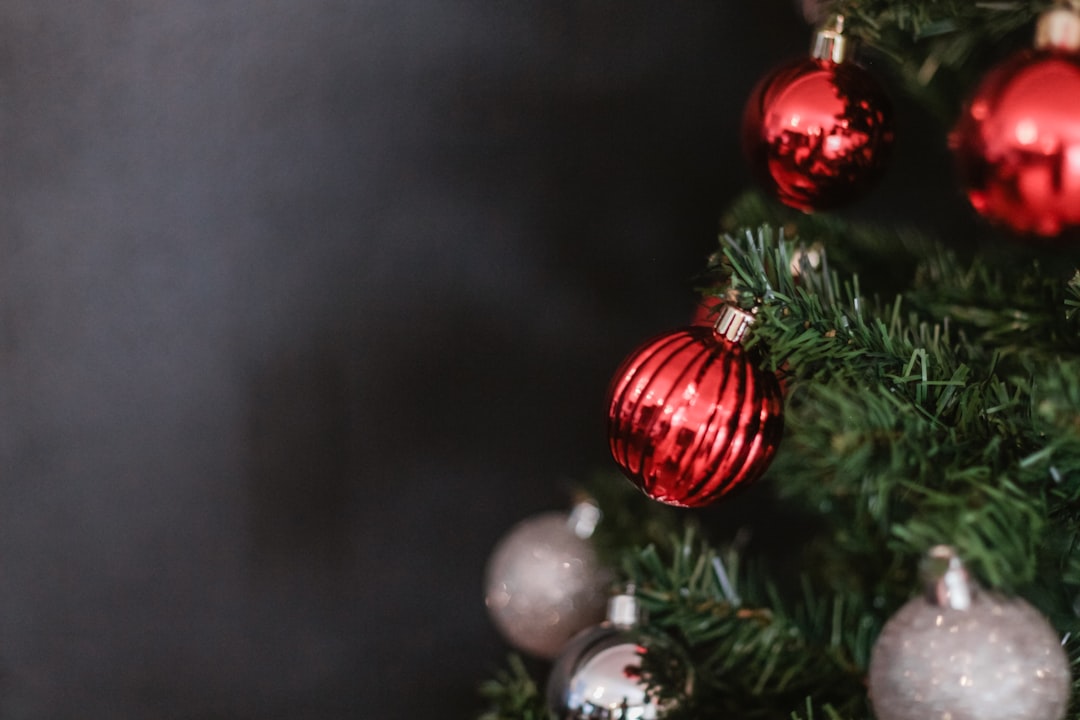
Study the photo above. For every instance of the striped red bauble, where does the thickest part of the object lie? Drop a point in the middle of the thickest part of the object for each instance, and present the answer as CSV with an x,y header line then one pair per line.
x,y
691,415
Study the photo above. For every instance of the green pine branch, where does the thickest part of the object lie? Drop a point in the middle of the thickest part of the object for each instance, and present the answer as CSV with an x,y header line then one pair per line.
x,y
946,412
939,48
512,694
921,426
754,654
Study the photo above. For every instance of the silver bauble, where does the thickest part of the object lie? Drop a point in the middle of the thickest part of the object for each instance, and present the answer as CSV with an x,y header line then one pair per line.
x,y
598,676
544,583
960,653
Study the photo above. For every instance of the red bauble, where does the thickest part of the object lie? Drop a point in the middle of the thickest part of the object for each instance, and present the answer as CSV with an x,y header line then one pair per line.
x,y
817,132
691,416
705,311
1017,144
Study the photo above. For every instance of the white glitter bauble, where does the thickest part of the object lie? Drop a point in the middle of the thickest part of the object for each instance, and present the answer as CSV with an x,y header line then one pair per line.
x,y
964,654
544,583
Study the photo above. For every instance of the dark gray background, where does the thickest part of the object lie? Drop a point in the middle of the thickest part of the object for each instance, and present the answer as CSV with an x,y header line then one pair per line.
x,y
304,304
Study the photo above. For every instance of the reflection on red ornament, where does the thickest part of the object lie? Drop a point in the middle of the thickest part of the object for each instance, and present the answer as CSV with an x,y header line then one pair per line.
x,y
818,133
691,416
1017,144
705,311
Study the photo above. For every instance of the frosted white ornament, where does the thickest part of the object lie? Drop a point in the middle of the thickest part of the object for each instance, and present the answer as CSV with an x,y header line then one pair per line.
x,y
961,653
544,582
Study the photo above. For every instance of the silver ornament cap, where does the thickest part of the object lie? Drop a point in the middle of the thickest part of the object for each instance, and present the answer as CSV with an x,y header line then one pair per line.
x,y
830,43
961,653
544,582
1058,28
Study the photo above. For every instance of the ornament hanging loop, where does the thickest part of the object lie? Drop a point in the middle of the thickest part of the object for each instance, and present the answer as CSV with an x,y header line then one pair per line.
x,y
830,43
1059,27
948,584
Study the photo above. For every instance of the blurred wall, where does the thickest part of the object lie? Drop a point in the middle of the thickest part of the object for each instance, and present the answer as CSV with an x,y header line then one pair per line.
x,y
304,304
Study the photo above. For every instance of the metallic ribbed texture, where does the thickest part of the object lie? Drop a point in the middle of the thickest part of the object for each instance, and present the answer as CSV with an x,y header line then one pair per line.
x,y
691,416
831,44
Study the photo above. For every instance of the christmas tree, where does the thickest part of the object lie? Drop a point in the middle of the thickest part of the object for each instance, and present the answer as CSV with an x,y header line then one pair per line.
x,y
927,473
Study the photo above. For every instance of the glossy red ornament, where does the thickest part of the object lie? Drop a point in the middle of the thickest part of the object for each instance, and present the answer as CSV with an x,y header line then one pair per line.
x,y
691,416
818,131
706,309
1017,143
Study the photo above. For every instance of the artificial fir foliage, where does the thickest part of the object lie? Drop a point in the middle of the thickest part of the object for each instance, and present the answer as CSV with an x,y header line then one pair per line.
x,y
939,48
932,396
948,411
